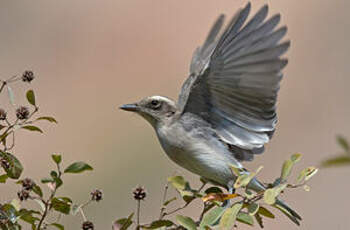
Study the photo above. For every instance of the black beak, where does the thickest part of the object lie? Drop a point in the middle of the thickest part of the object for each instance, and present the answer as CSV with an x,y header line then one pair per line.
x,y
129,107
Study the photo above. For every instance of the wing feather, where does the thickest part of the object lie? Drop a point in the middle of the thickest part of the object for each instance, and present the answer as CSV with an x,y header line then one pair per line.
x,y
234,80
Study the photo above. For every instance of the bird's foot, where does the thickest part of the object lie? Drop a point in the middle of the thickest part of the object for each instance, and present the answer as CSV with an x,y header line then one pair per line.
x,y
231,190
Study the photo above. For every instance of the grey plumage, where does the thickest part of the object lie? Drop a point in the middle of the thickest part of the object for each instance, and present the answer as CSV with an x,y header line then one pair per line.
x,y
226,110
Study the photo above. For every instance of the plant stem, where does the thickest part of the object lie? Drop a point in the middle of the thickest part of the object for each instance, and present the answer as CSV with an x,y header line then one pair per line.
x,y
46,211
176,210
138,213
2,86
47,203
163,201
82,214
186,204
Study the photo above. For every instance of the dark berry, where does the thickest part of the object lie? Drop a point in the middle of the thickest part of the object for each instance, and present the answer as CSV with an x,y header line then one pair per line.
x,y
3,114
96,195
139,193
28,76
87,225
4,163
23,195
28,184
22,113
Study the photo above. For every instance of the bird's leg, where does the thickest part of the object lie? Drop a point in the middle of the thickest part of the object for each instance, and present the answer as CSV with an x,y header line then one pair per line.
x,y
231,190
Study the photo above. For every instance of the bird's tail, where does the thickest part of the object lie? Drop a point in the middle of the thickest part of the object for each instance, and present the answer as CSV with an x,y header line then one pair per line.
x,y
281,205
286,210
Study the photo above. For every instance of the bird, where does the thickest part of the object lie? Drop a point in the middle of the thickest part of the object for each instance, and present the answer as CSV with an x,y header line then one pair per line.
x,y
226,109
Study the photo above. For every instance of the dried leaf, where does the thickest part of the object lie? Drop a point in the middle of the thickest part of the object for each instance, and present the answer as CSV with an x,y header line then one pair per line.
x,y
221,197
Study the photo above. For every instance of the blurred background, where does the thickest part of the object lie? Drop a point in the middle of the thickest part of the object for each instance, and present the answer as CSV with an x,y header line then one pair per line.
x,y
92,56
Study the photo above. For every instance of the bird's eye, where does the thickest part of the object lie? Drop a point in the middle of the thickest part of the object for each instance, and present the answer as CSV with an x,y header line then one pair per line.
x,y
155,104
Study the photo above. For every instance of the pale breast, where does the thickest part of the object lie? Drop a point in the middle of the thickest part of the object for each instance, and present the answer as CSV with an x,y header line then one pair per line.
x,y
197,151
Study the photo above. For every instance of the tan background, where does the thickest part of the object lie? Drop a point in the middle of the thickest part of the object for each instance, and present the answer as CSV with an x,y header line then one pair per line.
x,y
92,56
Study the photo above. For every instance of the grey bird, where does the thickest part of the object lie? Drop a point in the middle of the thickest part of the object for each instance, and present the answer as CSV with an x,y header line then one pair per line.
x,y
226,110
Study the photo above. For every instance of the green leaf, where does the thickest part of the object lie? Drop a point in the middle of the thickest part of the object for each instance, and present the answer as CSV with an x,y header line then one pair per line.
x,y
253,208
336,161
212,216
213,190
53,174
65,199
10,212
269,196
27,216
296,157
50,119
32,128
259,220
306,174
244,179
249,194
15,169
187,196
229,217
11,95
47,180
343,143
288,165
245,218
183,187
186,222
59,226
306,188
16,204
37,190
124,223
77,167
58,182
235,170
311,171
169,201
3,178
178,182
286,169
31,97
61,205
265,212
159,224
56,158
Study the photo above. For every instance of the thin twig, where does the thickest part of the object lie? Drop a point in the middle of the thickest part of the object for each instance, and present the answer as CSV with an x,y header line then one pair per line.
x,y
295,185
176,210
202,186
163,201
12,78
7,132
138,213
13,141
186,204
82,214
47,203
2,85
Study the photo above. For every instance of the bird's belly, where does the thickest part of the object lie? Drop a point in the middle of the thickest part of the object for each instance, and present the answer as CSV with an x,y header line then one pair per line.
x,y
199,158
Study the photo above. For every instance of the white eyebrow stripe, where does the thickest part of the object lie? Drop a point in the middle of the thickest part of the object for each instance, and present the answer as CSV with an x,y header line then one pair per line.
x,y
161,98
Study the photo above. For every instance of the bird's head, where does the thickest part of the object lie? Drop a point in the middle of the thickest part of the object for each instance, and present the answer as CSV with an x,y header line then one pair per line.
x,y
155,109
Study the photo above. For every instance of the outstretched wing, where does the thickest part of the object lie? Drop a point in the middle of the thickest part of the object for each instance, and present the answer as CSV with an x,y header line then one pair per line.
x,y
234,80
